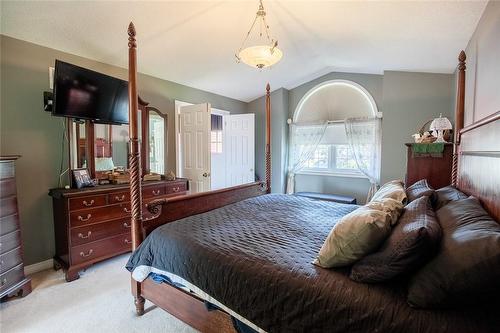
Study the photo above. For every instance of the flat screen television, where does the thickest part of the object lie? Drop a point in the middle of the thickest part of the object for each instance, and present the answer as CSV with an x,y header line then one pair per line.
x,y
84,94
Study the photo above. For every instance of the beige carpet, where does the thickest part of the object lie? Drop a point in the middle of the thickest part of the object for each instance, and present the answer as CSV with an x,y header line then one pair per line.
x,y
100,301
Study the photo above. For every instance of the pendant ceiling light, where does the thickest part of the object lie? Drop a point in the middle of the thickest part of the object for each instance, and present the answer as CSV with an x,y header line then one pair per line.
x,y
266,53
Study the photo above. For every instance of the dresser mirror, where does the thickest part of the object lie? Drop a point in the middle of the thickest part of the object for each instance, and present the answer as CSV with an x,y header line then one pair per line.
x,y
157,128
102,148
80,145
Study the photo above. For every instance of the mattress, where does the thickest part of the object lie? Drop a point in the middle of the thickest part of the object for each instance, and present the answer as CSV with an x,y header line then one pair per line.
x,y
254,258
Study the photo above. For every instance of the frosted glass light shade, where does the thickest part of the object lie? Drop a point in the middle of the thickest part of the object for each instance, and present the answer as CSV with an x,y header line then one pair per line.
x,y
260,56
438,126
441,123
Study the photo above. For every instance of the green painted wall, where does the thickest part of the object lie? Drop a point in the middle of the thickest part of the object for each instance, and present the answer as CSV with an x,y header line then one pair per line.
x,y
279,137
410,99
29,131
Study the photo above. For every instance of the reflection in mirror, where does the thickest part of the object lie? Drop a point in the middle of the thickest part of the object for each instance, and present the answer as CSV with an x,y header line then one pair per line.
x,y
120,146
103,150
156,143
81,144
110,148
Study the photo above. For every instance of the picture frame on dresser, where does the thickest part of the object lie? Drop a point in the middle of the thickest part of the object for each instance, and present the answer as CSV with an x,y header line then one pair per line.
x,y
81,178
13,282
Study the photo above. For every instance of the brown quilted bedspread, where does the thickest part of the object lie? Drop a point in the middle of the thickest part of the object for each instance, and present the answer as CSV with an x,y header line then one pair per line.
x,y
255,257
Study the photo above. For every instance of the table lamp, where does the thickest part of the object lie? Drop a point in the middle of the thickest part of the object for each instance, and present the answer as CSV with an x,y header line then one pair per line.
x,y
438,126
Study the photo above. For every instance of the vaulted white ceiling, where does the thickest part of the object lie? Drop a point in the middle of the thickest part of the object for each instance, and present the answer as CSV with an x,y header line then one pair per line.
x,y
193,43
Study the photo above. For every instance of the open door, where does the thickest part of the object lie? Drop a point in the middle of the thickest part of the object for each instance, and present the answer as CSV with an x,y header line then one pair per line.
x,y
194,140
240,155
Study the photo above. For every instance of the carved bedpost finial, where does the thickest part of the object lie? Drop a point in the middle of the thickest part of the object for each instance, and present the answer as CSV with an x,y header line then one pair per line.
x,y
268,89
461,60
131,35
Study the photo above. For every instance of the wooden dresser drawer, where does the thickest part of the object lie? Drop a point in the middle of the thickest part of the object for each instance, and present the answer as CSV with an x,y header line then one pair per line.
x,y
8,224
7,187
153,191
87,202
118,197
11,277
176,188
94,232
8,206
10,259
10,241
101,248
94,215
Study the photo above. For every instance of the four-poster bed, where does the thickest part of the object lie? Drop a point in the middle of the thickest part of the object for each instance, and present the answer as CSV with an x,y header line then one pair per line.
x,y
308,297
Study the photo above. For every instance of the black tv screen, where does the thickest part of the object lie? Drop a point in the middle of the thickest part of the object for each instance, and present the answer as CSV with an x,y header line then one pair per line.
x,y
84,94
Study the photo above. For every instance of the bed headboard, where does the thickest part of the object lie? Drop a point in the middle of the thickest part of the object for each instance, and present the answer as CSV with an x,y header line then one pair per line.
x,y
476,162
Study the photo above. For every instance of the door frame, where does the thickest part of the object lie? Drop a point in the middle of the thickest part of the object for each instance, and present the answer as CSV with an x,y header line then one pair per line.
x,y
178,104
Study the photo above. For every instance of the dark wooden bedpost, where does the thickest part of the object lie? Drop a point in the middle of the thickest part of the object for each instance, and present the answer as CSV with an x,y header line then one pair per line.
x,y
459,115
268,138
134,157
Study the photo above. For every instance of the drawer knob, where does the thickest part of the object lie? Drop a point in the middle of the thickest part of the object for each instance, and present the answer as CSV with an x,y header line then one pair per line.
x,y
126,210
175,189
121,198
157,192
127,241
83,236
83,219
126,225
86,254
88,204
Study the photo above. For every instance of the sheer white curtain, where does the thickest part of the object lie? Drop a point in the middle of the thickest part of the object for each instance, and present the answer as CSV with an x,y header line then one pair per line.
x,y
365,139
303,141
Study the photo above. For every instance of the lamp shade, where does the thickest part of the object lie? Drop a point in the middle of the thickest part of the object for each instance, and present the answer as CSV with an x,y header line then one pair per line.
x,y
441,123
260,56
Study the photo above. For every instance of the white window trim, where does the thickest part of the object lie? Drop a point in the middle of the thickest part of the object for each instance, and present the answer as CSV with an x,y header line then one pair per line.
x,y
331,173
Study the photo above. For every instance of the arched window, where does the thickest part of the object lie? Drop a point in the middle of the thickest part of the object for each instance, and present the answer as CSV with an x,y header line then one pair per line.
x,y
335,100
319,121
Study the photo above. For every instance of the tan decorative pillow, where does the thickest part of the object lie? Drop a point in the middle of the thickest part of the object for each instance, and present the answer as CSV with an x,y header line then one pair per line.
x,y
393,189
359,233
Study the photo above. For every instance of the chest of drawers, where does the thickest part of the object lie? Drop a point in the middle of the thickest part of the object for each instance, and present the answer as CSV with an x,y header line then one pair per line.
x,y
12,279
93,224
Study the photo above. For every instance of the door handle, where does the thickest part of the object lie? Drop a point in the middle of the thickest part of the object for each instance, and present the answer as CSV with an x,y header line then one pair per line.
x,y
205,174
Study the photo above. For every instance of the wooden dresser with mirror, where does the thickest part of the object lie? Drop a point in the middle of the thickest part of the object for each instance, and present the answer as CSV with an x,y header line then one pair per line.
x,y
93,224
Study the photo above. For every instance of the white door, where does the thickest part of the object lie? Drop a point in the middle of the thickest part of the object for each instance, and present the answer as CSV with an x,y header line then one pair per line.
x,y
194,141
240,153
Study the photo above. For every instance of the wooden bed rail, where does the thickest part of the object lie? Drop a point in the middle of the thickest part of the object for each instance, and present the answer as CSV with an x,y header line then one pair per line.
x,y
175,208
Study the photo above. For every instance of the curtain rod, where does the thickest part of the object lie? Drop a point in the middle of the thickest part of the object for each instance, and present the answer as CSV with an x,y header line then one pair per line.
x,y
289,121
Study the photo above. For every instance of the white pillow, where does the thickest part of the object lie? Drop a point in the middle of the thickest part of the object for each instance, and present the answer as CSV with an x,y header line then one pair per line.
x,y
359,233
393,189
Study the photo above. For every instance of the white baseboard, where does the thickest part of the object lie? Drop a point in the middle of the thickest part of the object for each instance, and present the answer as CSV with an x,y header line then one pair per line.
x,y
38,267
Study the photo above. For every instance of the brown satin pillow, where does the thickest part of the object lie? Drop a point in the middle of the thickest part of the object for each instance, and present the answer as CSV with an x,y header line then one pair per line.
x,y
412,242
466,269
445,195
419,189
